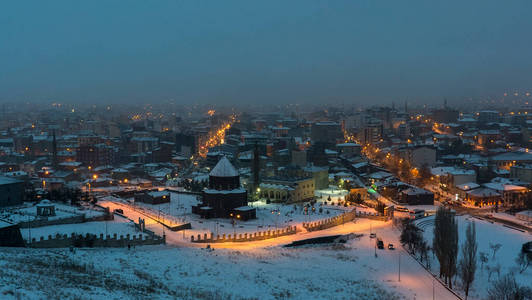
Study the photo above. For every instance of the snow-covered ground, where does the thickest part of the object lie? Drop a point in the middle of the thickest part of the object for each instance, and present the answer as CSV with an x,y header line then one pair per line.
x,y
120,226
262,270
269,216
512,218
487,233
62,211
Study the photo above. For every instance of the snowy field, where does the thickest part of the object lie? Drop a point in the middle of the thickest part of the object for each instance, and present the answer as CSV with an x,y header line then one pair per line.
x,y
120,226
62,211
269,216
510,239
342,271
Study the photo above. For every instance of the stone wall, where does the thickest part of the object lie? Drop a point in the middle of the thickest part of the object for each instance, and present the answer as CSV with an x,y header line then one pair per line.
x,y
342,219
243,237
330,222
92,240
47,222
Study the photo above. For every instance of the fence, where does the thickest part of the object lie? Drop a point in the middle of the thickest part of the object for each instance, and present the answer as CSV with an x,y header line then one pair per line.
x,y
256,236
91,240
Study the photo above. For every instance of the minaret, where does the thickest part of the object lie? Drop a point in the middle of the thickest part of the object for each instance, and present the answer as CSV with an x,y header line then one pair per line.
x,y
256,167
54,150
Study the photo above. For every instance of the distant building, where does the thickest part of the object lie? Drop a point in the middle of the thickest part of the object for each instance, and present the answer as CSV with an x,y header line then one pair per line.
x,y
372,132
163,153
523,172
349,149
287,190
512,195
11,191
483,196
419,156
97,155
320,175
154,197
186,144
416,196
299,158
450,177
488,116
445,115
508,159
326,132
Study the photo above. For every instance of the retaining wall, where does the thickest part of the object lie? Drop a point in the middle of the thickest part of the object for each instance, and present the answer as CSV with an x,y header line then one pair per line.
x,y
243,237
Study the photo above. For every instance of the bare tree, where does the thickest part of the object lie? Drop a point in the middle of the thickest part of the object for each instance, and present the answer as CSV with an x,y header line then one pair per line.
x,y
494,269
525,257
506,288
497,269
483,259
468,263
490,272
495,248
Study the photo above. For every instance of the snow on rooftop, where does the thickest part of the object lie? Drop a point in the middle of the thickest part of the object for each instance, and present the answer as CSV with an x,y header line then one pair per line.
x,y
4,224
504,187
8,180
244,208
234,191
224,168
467,186
416,191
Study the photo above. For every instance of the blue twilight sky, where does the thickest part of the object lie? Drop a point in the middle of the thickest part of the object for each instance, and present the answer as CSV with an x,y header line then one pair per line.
x,y
356,51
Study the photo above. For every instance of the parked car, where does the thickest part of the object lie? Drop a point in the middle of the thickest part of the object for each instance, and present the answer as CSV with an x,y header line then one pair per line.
x,y
372,235
391,247
380,243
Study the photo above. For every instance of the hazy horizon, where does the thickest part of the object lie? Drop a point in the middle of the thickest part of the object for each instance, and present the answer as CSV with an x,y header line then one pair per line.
x,y
264,52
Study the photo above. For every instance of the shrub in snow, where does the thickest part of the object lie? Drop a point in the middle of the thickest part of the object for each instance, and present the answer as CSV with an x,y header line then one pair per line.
x,y
506,288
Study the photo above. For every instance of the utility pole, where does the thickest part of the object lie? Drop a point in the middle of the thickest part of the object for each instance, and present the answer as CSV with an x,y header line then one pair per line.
x,y
29,230
400,268
433,288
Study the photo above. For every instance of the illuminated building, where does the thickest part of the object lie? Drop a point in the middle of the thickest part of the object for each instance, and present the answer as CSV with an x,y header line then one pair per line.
x,y
225,197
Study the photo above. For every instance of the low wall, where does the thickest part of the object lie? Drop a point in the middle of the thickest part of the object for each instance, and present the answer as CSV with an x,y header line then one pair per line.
x,y
330,222
178,227
245,237
92,240
342,219
46,222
